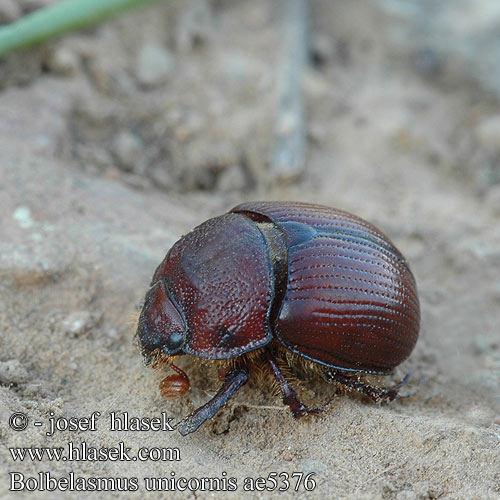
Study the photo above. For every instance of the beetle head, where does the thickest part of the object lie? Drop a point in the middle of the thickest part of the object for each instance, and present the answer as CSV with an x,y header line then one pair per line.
x,y
161,329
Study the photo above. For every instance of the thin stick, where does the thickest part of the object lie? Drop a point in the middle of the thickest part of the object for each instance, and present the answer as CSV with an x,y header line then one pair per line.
x,y
288,161
59,18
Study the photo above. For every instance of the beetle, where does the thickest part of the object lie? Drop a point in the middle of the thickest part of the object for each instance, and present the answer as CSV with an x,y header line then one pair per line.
x,y
278,283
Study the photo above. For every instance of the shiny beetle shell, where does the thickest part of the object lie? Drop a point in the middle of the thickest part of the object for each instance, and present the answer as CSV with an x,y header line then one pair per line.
x,y
321,283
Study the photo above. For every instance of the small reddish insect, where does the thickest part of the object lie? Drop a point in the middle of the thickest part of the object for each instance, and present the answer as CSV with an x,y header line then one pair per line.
x,y
278,283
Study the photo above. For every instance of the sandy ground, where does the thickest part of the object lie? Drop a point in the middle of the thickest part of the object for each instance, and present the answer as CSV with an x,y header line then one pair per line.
x,y
106,159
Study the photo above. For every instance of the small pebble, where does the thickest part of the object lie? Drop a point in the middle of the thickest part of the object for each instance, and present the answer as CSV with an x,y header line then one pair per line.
x,y
237,68
23,216
312,466
316,85
78,322
481,345
188,125
232,178
493,199
34,390
128,149
9,11
479,416
154,65
12,372
426,62
112,333
322,49
419,490
406,495
162,177
496,292
488,134
63,61
195,26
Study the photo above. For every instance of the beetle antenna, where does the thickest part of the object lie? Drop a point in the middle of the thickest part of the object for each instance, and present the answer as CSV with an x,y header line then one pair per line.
x,y
179,371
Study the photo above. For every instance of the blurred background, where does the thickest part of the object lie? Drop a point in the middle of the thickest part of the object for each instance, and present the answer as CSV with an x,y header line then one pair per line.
x,y
117,139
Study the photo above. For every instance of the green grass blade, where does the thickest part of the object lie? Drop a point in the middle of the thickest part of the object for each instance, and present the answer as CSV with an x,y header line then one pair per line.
x,y
58,18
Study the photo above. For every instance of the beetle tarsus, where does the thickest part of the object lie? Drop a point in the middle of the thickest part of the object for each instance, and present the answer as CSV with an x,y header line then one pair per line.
x,y
376,394
234,380
414,391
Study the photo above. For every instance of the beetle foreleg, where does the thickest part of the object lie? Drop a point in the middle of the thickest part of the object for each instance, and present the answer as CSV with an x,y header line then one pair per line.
x,y
375,393
233,381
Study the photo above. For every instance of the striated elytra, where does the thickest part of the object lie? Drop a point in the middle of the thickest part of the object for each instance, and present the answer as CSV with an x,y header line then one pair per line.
x,y
281,284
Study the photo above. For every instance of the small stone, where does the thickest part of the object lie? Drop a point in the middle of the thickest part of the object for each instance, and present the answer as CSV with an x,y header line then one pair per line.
x,y
316,85
77,322
23,216
12,372
312,466
112,333
316,133
420,490
189,125
162,177
154,65
128,149
34,390
232,178
63,61
488,134
480,416
195,26
496,292
9,11
406,495
322,49
426,61
239,68
493,199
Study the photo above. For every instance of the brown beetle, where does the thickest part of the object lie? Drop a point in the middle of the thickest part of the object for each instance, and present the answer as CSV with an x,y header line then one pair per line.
x,y
274,282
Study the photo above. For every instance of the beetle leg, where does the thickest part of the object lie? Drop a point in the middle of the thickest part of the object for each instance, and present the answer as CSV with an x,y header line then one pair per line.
x,y
414,391
375,393
288,395
233,381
